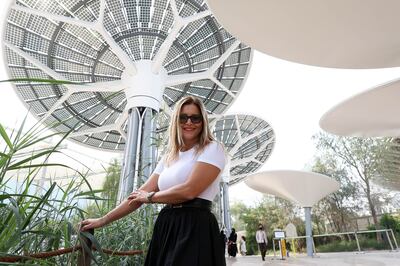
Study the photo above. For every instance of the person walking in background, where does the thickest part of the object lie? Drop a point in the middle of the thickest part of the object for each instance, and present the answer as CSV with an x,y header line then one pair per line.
x,y
186,180
232,246
224,239
243,249
261,238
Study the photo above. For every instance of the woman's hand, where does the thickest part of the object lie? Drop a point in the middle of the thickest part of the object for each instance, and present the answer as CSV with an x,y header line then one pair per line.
x,y
92,223
138,196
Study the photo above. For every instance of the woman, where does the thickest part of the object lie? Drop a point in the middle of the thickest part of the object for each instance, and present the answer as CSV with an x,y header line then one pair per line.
x,y
187,180
232,246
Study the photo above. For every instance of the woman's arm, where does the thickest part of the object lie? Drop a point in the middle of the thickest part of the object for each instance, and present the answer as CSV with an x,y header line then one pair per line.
x,y
123,209
202,175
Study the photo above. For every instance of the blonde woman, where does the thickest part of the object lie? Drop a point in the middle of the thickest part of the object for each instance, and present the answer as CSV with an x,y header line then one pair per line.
x,y
186,180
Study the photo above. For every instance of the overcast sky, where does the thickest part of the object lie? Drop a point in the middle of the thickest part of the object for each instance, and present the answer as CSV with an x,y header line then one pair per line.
x,y
290,96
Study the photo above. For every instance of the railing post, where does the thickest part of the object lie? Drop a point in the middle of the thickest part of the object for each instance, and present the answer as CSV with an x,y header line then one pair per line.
x,y
390,241
313,244
84,258
273,246
394,239
358,243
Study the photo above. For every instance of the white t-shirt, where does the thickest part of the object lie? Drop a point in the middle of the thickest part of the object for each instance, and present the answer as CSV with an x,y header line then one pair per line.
x,y
261,237
179,171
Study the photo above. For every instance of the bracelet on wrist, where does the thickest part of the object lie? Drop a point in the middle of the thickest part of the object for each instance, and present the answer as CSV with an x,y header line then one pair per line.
x,y
150,196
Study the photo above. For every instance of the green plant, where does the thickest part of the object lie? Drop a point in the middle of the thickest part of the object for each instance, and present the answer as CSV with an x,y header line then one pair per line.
x,y
32,221
390,222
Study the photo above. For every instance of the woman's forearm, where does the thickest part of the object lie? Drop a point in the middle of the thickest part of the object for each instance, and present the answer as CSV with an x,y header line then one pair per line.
x,y
123,209
173,195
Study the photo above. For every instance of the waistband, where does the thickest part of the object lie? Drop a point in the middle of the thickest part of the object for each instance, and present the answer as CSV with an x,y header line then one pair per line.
x,y
194,203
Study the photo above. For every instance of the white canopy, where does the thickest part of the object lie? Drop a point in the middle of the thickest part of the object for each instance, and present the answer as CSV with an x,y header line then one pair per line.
x,y
333,33
304,188
369,114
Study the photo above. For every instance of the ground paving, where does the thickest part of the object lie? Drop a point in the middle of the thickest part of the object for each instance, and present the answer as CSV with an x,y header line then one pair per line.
x,y
383,258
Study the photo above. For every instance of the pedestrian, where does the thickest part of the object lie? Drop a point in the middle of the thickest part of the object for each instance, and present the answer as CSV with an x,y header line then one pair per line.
x,y
262,241
232,246
224,239
243,249
186,179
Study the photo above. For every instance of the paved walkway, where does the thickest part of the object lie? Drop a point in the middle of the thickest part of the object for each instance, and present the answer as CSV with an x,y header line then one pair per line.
x,y
376,258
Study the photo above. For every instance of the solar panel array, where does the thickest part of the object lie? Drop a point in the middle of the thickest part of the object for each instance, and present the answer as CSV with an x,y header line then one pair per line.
x,y
80,54
249,141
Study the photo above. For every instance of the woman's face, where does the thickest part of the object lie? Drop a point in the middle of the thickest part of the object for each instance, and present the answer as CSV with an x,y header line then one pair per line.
x,y
190,128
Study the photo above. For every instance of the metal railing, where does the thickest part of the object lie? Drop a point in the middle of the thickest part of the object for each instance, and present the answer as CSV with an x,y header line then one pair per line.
x,y
355,233
84,256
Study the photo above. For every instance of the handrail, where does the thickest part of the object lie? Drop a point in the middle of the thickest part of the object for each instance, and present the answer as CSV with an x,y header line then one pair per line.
x,y
83,259
355,233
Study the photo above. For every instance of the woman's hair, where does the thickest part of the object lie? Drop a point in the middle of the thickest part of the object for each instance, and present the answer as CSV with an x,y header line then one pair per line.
x,y
175,135
244,238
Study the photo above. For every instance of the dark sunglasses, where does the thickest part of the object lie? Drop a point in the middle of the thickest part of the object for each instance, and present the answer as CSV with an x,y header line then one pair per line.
x,y
194,118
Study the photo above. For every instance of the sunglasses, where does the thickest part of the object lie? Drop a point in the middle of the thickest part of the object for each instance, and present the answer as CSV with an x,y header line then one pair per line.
x,y
194,118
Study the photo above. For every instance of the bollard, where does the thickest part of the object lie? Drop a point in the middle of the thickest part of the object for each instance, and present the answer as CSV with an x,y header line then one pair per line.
x,y
84,258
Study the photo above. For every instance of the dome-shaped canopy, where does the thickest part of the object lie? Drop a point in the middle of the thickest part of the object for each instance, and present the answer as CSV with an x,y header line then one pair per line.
x,y
304,188
333,33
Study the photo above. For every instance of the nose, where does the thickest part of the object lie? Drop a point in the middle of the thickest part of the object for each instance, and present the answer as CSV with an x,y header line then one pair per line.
x,y
189,121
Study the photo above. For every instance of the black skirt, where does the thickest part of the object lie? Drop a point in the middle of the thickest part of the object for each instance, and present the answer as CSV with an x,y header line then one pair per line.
x,y
186,236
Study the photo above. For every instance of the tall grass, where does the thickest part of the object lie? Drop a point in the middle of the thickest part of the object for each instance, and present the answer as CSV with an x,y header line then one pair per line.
x,y
32,221
42,219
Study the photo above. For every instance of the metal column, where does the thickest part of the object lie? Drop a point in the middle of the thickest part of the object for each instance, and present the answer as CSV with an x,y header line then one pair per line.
x,y
140,152
307,213
148,147
129,162
225,206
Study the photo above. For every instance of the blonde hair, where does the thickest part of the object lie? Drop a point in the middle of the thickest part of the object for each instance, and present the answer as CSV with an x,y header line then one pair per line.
x,y
176,143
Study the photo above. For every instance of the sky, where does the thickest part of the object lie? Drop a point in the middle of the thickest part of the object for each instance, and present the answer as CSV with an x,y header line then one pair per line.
x,y
291,97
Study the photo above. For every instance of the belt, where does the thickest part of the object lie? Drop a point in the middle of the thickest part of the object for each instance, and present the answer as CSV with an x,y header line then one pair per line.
x,y
194,203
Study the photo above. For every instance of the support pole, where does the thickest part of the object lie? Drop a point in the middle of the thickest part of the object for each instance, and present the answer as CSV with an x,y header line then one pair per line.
x,y
358,243
148,147
394,239
225,203
390,241
129,161
140,151
309,241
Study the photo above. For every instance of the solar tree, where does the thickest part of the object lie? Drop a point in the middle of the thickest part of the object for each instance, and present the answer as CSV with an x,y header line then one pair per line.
x,y
127,60
249,142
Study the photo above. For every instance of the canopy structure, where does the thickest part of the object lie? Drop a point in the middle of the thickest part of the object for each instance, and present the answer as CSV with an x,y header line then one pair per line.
x,y
249,141
123,62
334,33
369,114
303,188
122,54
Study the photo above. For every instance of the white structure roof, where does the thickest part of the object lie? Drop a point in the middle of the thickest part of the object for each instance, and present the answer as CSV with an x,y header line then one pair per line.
x,y
340,33
304,188
369,114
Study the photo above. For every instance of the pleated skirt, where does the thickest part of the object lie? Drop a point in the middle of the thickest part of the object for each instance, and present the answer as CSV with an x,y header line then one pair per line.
x,y
186,237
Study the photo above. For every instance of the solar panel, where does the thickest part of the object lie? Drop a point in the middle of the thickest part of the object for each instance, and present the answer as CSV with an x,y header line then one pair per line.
x,y
106,46
249,141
